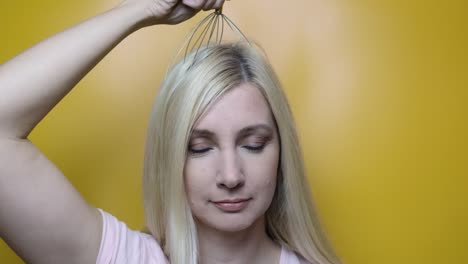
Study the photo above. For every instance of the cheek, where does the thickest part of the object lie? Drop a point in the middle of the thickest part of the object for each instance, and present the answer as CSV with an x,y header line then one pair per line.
x,y
264,173
196,177
267,179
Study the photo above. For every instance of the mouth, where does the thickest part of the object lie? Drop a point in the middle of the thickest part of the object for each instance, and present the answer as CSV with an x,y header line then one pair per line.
x,y
232,205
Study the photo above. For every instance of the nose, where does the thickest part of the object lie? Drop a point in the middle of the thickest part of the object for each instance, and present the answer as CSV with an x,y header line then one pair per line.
x,y
230,174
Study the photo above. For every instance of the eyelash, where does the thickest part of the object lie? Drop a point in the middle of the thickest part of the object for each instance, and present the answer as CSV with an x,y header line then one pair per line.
x,y
254,149
199,151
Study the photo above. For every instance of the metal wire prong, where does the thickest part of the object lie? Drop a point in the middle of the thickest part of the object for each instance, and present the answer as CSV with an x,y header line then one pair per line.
x,y
213,28
217,29
194,31
187,38
222,29
205,30
202,37
231,24
213,22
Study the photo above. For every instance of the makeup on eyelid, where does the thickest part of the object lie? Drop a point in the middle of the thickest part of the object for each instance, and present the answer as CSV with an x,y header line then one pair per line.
x,y
256,145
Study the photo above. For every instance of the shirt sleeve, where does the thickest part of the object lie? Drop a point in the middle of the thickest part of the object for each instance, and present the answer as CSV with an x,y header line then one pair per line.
x,y
289,257
121,245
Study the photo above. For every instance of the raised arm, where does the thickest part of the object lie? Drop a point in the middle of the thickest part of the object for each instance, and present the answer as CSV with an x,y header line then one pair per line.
x,y
42,217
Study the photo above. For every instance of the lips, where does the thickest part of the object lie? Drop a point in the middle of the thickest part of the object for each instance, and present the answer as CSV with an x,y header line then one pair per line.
x,y
232,205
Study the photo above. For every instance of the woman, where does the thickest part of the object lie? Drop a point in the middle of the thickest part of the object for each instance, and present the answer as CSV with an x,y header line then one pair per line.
x,y
223,181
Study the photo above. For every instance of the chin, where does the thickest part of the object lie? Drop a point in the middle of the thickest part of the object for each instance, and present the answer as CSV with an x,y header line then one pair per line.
x,y
228,222
232,227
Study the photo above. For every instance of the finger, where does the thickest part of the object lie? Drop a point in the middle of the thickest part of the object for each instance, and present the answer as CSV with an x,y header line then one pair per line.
x,y
209,5
195,4
218,4
182,12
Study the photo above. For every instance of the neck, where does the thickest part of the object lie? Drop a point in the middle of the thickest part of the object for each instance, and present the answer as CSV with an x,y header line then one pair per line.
x,y
251,245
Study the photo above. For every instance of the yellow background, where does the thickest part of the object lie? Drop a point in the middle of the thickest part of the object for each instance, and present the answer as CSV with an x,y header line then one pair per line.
x,y
378,89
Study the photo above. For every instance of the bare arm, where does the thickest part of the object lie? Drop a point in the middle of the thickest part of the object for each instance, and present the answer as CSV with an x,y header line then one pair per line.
x,y
42,217
33,82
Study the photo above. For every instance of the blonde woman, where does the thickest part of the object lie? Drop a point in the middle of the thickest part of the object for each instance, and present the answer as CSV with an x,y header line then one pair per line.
x,y
223,181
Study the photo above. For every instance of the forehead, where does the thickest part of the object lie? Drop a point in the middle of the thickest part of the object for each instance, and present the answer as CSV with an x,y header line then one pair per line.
x,y
239,107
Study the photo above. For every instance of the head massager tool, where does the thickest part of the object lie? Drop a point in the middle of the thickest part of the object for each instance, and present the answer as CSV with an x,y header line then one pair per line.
x,y
209,31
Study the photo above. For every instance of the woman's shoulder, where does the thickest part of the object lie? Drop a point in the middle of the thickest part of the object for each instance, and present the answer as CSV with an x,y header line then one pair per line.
x,y
120,244
289,257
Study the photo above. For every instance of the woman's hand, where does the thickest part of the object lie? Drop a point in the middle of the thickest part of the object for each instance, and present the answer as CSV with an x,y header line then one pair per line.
x,y
171,11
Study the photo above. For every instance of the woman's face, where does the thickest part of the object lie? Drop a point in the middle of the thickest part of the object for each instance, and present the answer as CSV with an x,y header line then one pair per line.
x,y
232,161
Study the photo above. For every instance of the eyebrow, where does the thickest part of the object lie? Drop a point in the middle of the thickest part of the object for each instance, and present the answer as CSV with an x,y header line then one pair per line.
x,y
205,133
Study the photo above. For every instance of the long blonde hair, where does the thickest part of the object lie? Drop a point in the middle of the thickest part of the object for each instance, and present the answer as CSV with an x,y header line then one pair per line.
x,y
187,91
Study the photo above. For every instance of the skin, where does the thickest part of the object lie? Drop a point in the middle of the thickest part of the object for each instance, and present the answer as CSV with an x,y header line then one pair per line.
x,y
234,153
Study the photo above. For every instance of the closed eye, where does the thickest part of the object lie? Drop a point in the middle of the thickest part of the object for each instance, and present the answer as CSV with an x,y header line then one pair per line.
x,y
199,151
255,149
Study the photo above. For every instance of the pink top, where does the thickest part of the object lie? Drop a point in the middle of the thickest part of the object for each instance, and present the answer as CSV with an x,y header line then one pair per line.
x,y
121,245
